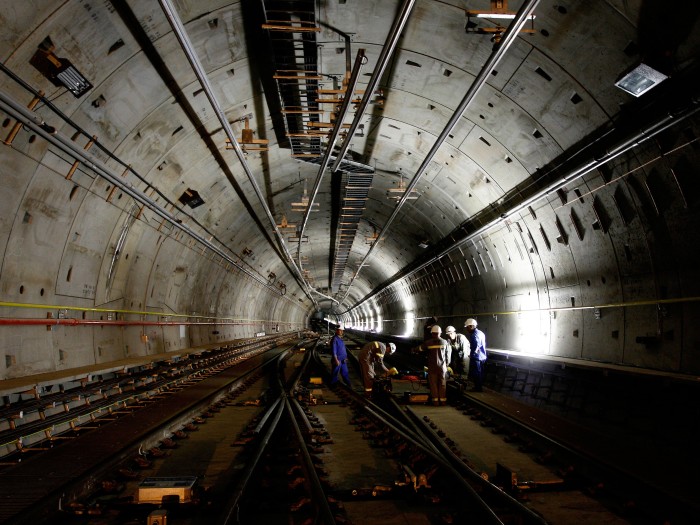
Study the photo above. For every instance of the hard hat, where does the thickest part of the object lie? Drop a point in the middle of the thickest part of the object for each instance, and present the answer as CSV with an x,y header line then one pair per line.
x,y
340,329
450,330
392,348
436,329
470,322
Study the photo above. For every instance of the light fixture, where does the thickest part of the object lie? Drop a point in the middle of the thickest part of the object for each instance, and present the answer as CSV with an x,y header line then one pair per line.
x,y
499,10
191,198
60,71
639,80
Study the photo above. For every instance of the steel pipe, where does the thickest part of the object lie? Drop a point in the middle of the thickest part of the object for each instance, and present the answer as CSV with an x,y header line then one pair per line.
x,y
360,60
499,50
186,45
621,147
99,322
42,129
387,51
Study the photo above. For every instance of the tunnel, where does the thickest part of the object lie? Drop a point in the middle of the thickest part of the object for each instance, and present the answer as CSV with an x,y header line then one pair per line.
x,y
178,175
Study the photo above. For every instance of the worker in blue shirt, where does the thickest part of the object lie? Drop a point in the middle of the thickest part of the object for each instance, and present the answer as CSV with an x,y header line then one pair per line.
x,y
340,358
477,354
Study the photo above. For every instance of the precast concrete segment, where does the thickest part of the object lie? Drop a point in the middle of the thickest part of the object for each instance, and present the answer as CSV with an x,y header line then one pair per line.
x,y
33,121
179,30
499,51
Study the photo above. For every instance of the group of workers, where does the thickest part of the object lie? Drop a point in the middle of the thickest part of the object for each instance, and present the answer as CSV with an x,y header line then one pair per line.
x,y
453,354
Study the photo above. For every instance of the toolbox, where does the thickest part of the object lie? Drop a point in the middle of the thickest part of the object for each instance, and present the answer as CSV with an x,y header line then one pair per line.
x,y
414,397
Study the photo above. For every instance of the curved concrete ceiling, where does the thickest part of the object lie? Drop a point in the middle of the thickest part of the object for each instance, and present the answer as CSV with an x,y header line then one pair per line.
x,y
541,197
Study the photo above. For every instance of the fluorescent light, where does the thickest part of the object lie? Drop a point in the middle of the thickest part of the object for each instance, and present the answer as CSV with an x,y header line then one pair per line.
x,y
640,80
508,16
73,80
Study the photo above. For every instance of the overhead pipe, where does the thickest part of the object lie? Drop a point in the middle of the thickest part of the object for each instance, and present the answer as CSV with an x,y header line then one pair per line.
x,y
384,57
128,167
41,128
499,50
625,145
360,60
46,102
387,51
99,322
186,45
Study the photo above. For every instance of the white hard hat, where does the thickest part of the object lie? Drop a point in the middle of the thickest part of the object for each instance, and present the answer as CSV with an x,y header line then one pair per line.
x,y
436,329
470,322
450,330
392,348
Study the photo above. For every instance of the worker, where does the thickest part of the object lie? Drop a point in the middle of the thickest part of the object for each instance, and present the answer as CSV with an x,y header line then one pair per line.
x,y
339,358
460,350
438,360
429,323
372,356
477,354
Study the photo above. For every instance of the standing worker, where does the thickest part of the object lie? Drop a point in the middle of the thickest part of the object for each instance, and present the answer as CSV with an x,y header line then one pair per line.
x,y
340,358
438,359
429,323
477,354
460,350
372,355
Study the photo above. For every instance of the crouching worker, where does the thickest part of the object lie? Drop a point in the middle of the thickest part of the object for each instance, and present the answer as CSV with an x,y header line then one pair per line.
x,y
372,356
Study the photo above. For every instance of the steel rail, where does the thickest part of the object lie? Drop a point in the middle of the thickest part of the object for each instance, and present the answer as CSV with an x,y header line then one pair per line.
x,y
232,506
420,441
531,517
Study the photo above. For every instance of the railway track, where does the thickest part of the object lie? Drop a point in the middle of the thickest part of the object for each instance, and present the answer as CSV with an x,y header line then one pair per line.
x,y
278,445
330,456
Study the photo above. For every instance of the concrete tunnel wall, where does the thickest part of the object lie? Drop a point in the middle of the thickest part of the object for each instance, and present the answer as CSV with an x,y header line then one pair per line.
x,y
542,285
603,270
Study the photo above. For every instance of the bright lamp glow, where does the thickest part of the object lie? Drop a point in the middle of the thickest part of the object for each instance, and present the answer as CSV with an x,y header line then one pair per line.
x,y
410,319
506,16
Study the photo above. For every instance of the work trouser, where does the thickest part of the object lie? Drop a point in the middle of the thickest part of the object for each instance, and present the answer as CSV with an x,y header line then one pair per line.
x,y
476,372
367,376
438,387
341,370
